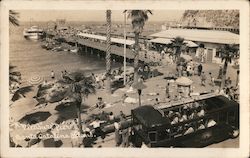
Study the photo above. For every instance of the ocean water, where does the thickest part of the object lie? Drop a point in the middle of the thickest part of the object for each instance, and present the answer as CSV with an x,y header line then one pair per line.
x,y
32,60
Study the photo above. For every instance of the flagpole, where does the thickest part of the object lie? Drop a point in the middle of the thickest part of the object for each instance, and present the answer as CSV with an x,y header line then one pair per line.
x,y
124,55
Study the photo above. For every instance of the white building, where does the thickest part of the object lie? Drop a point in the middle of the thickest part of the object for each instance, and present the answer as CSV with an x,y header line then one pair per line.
x,y
211,39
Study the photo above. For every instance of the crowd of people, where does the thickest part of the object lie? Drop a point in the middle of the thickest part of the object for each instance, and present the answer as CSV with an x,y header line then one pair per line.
x,y
188,112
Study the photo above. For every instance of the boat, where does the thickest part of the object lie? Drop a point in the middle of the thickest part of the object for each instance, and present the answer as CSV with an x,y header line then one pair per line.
x,y
74,50
33,33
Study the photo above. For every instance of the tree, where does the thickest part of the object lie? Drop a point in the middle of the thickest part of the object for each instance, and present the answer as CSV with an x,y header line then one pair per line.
x,y
13,18
108,48
81,88
178,44
227,53
138,19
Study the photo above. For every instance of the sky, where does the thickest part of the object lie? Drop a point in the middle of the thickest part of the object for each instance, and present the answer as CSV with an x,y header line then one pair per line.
x,y
98,15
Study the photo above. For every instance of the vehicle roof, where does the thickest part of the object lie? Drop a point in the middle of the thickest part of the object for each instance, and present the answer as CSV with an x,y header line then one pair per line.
x,y
150,117
221,101
210,99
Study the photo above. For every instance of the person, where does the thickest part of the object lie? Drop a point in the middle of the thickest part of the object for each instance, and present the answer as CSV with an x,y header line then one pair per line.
x,y
167,91
175,119
100,104
76,138
97,128
103,78
220,73
162,54
228,82
211,123
201,126
179,70
200,69
212,79
157,102
122,116
189,70
93,77
65,73
140,79
118,137
183,117
125,137
111,117
203,79
97,79
52,74
62,74
201,112
124,97
190,129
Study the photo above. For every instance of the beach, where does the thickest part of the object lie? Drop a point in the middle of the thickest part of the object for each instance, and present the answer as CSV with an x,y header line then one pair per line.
x,y
31,60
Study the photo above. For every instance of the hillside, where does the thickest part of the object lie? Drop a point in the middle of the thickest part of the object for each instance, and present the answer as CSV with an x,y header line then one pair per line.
x,y
211,18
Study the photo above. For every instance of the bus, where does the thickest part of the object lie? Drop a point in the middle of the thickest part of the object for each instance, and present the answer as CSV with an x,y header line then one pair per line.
x,y
196,123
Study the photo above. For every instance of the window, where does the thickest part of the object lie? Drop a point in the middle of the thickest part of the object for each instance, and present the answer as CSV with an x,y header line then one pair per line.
x,y
152,136
217,54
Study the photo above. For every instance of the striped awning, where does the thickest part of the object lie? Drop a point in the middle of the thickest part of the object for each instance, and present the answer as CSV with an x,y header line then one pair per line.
x,y
168,41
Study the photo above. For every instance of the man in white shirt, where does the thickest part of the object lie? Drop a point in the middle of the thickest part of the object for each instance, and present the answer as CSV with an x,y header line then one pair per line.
x,y
97,128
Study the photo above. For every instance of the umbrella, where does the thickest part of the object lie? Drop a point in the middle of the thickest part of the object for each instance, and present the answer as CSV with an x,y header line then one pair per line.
x,y
34,118
34,80
186,57
21,93
184,81
21,106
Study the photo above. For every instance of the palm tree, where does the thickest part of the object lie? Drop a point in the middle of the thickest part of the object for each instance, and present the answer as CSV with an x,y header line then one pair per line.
x,y
108,48
14,76
81,88
178,44
138,18
227,53
13,18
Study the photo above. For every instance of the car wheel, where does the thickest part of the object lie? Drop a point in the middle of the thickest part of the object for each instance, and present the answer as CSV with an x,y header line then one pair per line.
x,y
235,133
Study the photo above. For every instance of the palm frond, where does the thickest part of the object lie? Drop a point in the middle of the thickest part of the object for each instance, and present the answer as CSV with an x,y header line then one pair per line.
x,y
228,52
13,18
138,18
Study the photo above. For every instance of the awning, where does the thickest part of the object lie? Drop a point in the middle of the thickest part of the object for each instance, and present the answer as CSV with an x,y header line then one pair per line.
x,y
168,41
183,81
103,38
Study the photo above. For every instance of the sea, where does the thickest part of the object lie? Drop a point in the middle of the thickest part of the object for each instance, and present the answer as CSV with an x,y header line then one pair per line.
x,y
32,60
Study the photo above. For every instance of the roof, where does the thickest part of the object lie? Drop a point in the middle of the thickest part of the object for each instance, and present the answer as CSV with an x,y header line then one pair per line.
x,y
183,81
211,99
210,36
168,41
220,101
150,117
102,46
103,38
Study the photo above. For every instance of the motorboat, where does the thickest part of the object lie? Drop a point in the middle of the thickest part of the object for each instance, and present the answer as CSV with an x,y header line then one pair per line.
x,y
33,33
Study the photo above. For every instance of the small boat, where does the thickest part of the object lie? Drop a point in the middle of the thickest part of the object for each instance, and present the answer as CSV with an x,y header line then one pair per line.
x,y
74,50
33,33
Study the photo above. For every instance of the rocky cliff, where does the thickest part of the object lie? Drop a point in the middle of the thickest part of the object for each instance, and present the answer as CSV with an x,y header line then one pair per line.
x,y
211,18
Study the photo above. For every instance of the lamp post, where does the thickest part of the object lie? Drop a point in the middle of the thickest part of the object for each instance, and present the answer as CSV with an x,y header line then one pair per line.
x,y
124,53
139,86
